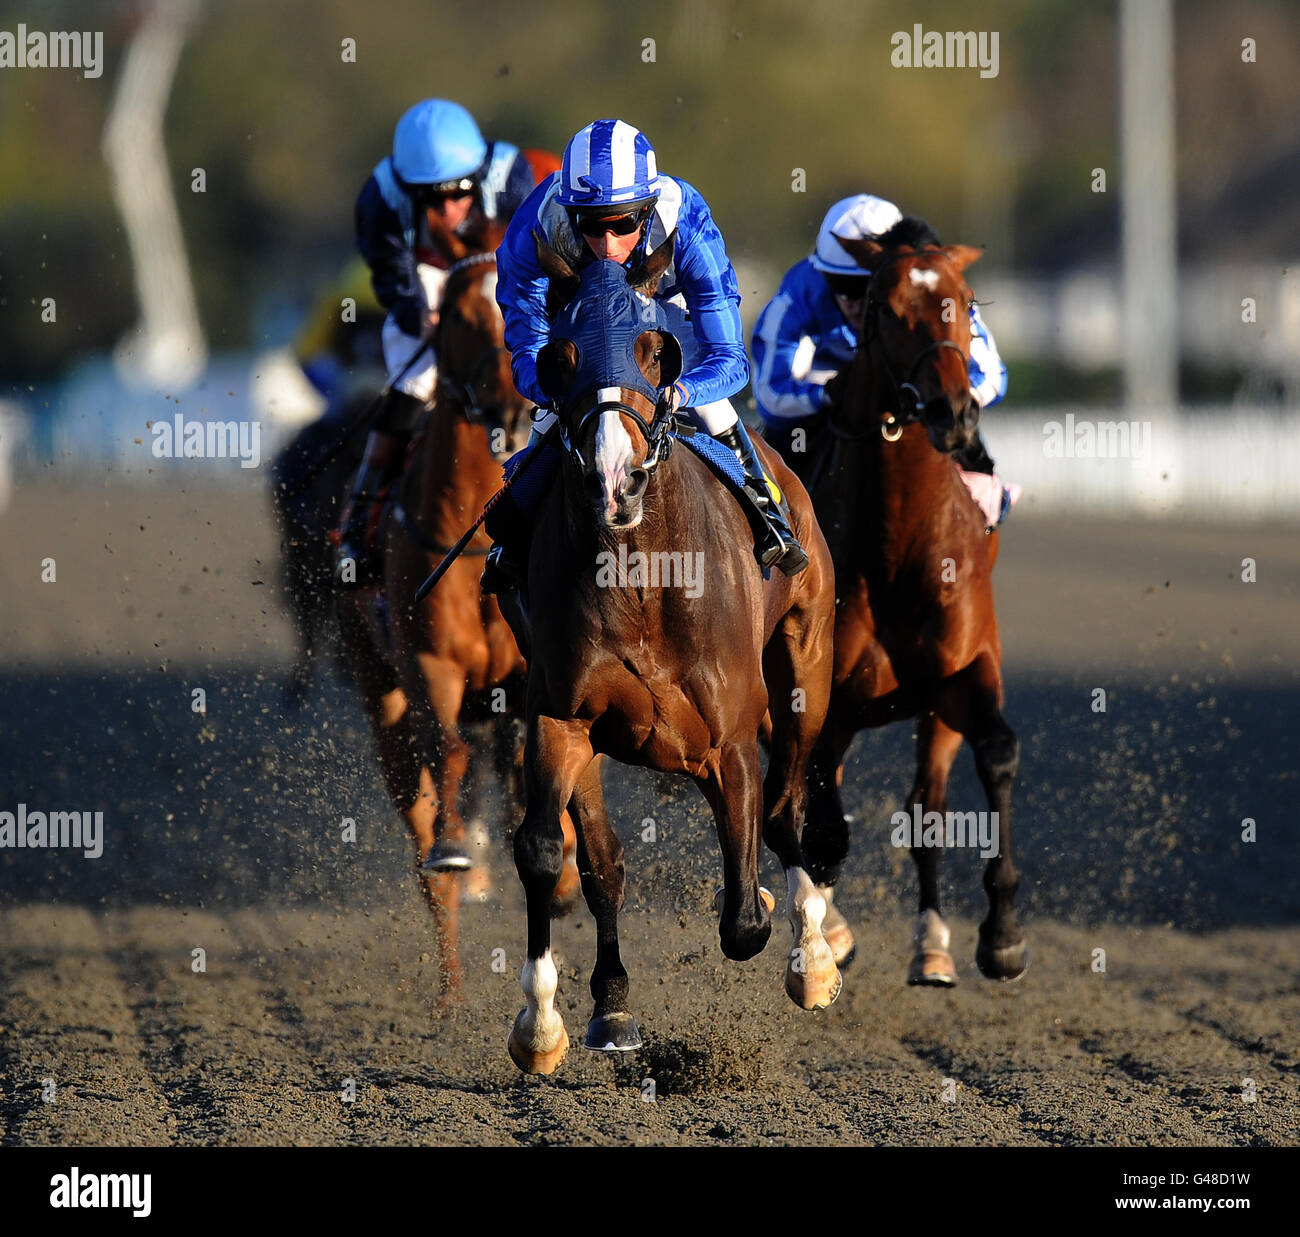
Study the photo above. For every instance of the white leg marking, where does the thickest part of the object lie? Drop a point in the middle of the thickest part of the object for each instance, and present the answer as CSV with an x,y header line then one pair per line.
x,y
931,932
812,978
539,1026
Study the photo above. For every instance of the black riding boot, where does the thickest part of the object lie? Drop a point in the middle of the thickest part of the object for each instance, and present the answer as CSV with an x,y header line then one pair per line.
x,y
781,548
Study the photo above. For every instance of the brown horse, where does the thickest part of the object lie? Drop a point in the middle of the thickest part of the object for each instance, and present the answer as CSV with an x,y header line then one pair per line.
x,y
915,631
423,669
652,672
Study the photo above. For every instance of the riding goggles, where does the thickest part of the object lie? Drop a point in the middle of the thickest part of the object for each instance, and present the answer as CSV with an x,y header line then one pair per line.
x,y
452,188
850,287
620,225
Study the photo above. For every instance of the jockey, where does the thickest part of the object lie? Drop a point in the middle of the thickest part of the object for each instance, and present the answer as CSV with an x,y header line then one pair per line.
x,y
608,200
440,166
806,335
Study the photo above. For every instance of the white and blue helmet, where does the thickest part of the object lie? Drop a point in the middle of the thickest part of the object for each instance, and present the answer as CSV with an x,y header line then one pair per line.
x,y
609,163
861,217
437,143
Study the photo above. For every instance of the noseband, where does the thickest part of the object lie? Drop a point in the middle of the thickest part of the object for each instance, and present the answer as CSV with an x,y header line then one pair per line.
x,y
657,431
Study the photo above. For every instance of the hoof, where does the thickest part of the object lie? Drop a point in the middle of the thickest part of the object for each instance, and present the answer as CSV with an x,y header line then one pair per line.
x,y
1007,963
446,857
532,1062
932,968
613,1033
813,991
764,895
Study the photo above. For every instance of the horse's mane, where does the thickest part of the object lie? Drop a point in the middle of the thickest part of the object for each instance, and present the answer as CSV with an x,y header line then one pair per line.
x,y
911,231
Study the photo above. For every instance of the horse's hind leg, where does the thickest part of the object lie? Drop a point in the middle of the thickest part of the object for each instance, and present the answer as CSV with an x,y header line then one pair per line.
x,y
973,705
936,747
600,861
812,980
556,755
733,790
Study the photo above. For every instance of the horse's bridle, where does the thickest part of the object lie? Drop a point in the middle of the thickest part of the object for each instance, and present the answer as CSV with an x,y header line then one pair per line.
x,y
893,424
658,430
464,390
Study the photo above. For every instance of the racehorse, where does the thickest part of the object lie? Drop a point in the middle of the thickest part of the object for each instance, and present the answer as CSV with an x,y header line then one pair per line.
x,y
916,634
307,483
651,675
425,669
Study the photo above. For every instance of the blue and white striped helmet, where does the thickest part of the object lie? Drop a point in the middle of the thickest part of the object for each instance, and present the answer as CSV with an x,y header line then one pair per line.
x,y
609,163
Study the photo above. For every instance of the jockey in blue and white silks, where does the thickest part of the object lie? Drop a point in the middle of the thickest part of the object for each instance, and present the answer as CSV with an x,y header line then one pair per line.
x,y
609,200
803,338
440,165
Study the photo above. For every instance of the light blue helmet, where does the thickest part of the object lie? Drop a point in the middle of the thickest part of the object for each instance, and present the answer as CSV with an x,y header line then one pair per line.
x,y
609,163
436,143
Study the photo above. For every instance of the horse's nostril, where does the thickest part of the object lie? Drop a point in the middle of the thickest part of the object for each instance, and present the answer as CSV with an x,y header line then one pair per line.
x,y
635,484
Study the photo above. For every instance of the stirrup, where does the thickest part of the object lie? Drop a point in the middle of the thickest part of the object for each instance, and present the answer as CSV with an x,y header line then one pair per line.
x,y
500,572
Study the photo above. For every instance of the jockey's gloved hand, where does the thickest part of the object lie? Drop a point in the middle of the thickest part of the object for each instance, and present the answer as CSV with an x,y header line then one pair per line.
x,y
834,393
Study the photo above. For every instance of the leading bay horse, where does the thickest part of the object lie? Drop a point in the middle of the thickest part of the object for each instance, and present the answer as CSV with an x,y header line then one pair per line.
x,y
640,669
424,670
916,634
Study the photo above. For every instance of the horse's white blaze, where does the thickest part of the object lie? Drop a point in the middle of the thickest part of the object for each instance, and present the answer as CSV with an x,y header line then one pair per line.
x,y
539,1025
924,279
613,450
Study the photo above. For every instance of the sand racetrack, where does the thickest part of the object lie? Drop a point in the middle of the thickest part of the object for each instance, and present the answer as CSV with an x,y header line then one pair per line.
x,y
222,833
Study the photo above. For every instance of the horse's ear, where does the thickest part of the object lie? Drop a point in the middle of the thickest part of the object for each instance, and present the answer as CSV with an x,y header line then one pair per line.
x,y
962,256
557,362
550,259
645,278
861,250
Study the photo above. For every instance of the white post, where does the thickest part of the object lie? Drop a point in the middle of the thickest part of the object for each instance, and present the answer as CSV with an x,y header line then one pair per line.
x,y
1150,277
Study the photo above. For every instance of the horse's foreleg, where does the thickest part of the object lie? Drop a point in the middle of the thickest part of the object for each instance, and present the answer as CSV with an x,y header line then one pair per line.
x,y
974,706
734,792
798,687
600,862
555,756
936,747
825,838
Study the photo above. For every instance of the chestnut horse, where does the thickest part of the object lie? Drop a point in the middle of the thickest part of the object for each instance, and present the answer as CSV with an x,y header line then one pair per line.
x,y
644,671
422,669
915,630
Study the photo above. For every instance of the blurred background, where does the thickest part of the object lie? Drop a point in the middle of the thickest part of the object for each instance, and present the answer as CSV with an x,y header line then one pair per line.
x,y
172,231
196,305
